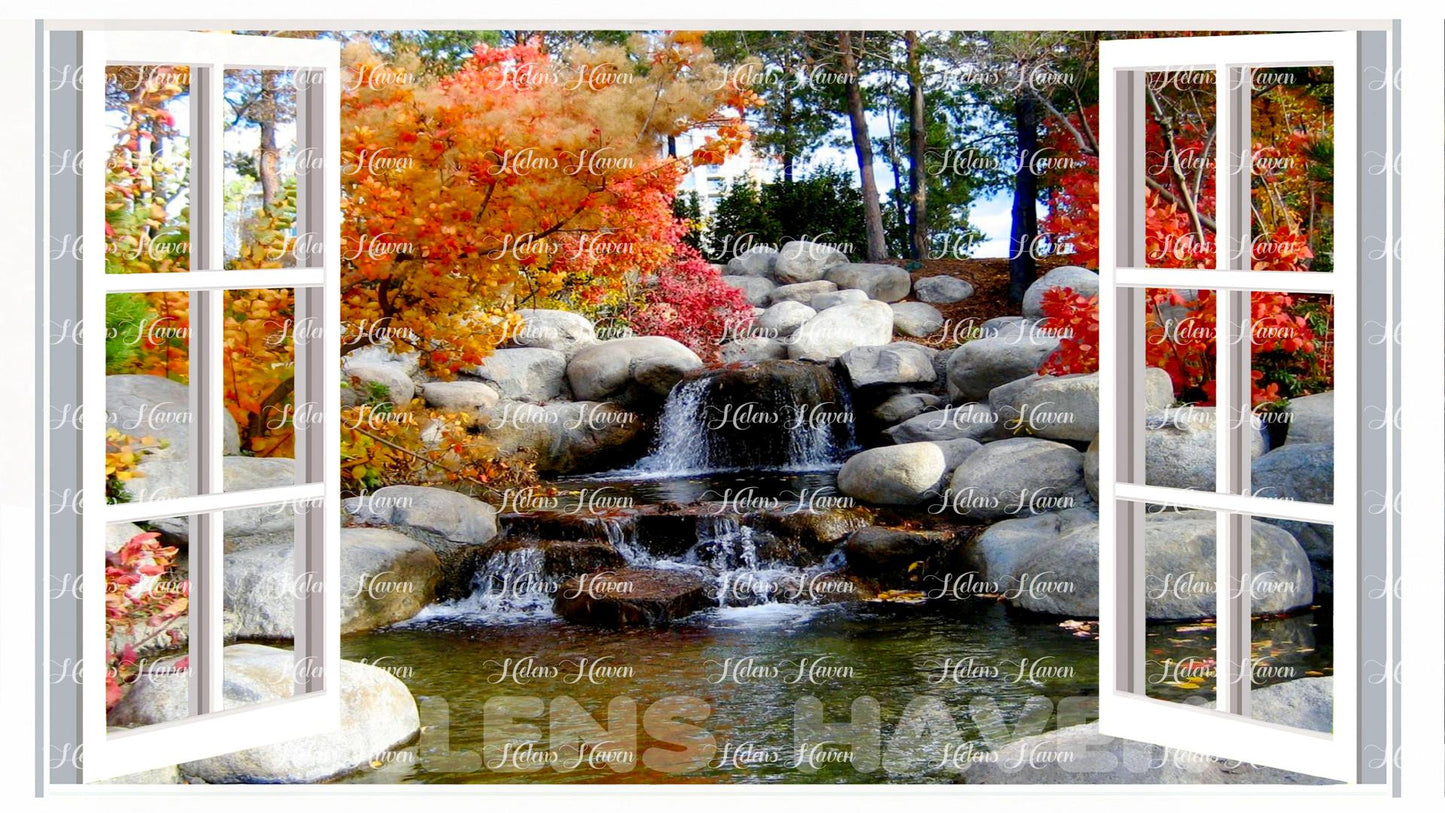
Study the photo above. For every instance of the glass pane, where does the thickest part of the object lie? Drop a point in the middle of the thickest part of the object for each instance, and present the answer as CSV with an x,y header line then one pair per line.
x,y
261,586
261,154
259,367
1179,365
147,397
1179,603
146,612
1291,168
147,179
1293,382
1292,623
1179,168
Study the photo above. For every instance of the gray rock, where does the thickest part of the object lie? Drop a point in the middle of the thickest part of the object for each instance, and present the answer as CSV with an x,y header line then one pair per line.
x,y
908,474
377,714
460,396
886,283
916,318
1306,703
887,555
559,330
756,289
1311,419
905,405
753,348
362,381
755,262
826,300
998,554
533,374
837,330
803,261
1179,446
973,421
1003,399
896,363
383,353
119,533
942,289
1067,407
144,406
1304,472
633,597
639,368
1091,468
386,578
564,436
782,319
801,292
957,450
1079,754
167,775
1018,476
168,479
982,364
454,526
1082,280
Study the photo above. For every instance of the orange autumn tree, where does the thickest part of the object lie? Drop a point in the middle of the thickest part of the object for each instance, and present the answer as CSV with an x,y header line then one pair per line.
x,y
522,180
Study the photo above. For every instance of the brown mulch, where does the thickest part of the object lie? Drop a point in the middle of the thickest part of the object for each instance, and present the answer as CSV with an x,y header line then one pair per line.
x,y
989,278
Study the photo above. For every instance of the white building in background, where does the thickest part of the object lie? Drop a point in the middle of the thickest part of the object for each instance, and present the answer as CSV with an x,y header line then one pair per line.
x,y
711,181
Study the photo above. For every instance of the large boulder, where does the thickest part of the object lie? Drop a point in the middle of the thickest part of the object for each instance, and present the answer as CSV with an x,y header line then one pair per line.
x,y
168,479
886,283
377,714
837,330
549,329
386,578
942,290
916,318
896,363
1017,476
973,421
904,405
1311,419
460,396
982,364
783,319
632,597
1050,564
456,527
1067,407
635,369
563,436
889,556
907,474
533,374
752,349
369,382
1179,446
804,261
756,289
383,352
1306,703
1082,280
755,262
827,299
801,292
151,406
1303,472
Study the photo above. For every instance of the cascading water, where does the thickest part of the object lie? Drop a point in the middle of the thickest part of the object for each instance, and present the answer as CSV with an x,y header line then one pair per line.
x,y
510,587
770,416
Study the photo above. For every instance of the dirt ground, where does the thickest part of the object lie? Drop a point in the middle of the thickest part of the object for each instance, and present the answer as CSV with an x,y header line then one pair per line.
x,y
989,278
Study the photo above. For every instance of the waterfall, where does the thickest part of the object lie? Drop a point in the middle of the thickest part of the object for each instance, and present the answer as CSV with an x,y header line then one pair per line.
x,y
510,587
770,416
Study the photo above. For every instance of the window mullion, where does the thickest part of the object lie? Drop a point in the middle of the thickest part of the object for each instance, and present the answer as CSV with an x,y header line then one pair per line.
x,y
207,393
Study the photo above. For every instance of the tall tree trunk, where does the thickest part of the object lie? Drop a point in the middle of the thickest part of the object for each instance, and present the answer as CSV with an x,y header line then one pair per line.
x,y
785,123
863,148
917,149
1022,267
269,167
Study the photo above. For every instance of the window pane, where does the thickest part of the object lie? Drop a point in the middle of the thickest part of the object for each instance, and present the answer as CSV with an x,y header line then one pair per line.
x,y
1179,168
261,586
259,366
1180,604
261,159
147,612
1291,168
147,179
147,397
1178,381
1292,393
1292,622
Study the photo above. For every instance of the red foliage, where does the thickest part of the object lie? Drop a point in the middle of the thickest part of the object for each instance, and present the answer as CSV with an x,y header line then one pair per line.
x,y
688,301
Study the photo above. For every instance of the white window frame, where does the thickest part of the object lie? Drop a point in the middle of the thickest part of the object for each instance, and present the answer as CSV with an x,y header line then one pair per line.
x,y
1362,447
316,706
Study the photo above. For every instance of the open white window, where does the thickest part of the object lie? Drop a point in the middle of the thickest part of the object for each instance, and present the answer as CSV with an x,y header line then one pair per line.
x,y
176,277
1193,283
